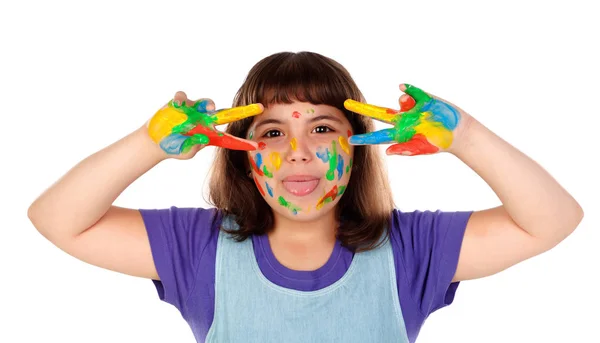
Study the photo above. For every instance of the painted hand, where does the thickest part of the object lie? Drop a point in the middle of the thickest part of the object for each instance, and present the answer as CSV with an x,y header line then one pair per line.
x,y
177,127
425,123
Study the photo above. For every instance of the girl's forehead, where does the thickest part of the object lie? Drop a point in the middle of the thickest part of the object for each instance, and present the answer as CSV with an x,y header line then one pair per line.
x,y
298,110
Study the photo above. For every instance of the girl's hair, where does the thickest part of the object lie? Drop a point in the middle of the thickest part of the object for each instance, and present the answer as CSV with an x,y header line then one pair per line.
x,y
364,209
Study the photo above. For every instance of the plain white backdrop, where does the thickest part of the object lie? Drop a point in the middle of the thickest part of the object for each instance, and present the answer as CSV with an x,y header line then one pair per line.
x,y
75,76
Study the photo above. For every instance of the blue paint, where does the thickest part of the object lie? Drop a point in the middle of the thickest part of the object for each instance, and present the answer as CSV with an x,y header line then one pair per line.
x,y
340,167
377,137
258,160
173,143
442,113
323,155
269,189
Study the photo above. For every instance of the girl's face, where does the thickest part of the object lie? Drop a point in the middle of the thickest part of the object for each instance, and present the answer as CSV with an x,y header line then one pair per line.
x,y
304,161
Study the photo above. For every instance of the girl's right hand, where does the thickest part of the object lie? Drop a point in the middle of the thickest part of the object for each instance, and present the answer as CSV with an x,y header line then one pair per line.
x,y
183,127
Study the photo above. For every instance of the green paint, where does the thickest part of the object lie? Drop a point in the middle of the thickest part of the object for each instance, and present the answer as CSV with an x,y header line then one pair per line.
x,y
194,118
332,162
198,138
267,173
251,134
341,190
295,209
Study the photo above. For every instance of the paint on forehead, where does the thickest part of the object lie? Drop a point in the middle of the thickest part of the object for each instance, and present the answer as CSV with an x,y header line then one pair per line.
x,y
296,114
269,189
332,162
340,167
259,187
344,144
294,143
295,209
330,196
323,154
310,110
275,160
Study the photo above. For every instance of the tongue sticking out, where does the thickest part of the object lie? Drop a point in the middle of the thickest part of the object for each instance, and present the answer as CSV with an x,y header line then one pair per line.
x,y
300,188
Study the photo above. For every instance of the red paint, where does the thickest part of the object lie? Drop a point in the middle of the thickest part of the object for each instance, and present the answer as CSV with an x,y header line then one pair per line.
x,y
331,194
260,189
418,145
296,114
220,139
262,145
390,111
406,103
255,167
349,133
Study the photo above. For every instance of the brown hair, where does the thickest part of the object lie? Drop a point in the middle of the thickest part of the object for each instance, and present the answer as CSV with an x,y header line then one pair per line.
x,y
366,205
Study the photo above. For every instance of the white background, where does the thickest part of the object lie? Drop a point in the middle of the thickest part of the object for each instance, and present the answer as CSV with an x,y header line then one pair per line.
x,y
76,76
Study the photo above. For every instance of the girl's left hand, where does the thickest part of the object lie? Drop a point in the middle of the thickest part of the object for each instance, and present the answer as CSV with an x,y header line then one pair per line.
x,y
425,123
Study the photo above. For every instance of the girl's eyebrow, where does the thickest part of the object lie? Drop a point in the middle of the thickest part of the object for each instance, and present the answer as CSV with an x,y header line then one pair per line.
x,y
312,120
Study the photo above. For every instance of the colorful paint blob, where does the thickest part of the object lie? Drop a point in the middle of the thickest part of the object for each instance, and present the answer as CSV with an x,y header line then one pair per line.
x,y
260,189
269,189
295,209
425,127
340,166
261,145
349,166
330,196
294,143
178,127
344,144
296,114
332,162
275,160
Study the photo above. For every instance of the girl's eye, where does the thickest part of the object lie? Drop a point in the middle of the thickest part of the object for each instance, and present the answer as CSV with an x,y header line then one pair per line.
x,y
322,129
272,134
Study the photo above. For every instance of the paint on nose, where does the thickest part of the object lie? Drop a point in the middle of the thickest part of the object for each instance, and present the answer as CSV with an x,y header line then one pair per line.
x,y
294,143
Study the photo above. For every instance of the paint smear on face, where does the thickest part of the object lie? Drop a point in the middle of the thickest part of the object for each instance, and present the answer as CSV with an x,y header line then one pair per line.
x,y
260,189
340,167
323,154
255,167
295,209
275,160
344,144
262,145
312,110
267,172
349,133
332,162
251,134
294,143
349,166
296,114
258,158
269,189
330,196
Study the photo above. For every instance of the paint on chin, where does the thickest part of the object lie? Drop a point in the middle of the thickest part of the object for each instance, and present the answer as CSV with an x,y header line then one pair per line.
x,y
293,208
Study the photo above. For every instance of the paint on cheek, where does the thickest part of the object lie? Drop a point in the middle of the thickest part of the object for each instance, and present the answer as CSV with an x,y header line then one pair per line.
x,y
349,134
330,196
295,209
269,189
344,144
332,162
260,189
340,167
262,145
349,166
255,167
323,154
251,134
258,160
296,114
294,143
267,172
275,160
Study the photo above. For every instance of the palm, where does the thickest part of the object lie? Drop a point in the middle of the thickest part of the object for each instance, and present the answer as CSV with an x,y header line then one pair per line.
x,y
179,127
425,127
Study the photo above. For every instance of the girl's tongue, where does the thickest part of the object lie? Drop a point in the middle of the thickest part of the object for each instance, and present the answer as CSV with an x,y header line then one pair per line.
x,y
300,188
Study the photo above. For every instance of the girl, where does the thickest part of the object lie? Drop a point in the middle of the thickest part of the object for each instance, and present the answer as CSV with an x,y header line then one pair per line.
x,y
304,243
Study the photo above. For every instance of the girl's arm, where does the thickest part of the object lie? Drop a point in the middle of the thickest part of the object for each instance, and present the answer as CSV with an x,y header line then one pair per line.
x,y
76,212
536,214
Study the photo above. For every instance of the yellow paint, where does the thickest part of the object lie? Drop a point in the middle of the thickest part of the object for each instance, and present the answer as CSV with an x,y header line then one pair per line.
x,y
344,144
293,143
275,160
436,133
376,112
163,122
234,114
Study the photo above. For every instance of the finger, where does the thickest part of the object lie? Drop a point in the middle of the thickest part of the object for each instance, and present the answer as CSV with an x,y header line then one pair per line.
x,y
407,102
204,105
419,95
418,145
180,98
378,137
386,115
234,114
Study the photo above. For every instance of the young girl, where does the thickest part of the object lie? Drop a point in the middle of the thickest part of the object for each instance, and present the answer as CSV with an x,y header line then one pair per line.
x,y
304,243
